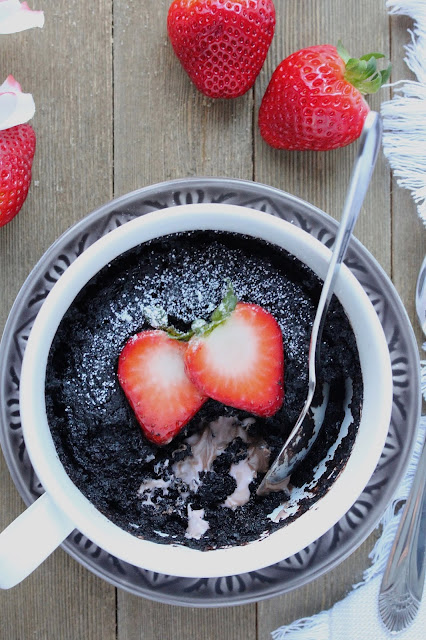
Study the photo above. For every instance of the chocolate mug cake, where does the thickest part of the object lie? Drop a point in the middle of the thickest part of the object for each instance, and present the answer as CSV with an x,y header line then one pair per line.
x,y
199,490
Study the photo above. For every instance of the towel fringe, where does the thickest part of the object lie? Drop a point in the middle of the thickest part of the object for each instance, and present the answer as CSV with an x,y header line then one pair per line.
x,y
315,628
391,517
404,136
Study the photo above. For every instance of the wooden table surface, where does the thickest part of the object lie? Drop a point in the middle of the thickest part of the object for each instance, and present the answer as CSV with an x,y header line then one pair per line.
x,y
115,111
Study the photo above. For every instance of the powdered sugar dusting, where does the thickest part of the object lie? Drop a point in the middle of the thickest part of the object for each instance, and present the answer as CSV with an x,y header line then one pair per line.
x,y
191,286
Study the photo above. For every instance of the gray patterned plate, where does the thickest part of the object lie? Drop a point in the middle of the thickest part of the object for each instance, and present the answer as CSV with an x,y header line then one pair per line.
x,y
359,521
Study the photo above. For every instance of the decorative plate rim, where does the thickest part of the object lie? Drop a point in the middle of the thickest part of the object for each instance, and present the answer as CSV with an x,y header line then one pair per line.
x,y
269,586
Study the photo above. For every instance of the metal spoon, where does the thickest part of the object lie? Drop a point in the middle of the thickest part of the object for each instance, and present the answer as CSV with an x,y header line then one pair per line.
x,y
298,444
403,581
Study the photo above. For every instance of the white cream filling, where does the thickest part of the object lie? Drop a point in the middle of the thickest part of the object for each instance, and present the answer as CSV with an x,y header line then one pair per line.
x,y
197,526
244,472
297,494
206,446
209,444
147,488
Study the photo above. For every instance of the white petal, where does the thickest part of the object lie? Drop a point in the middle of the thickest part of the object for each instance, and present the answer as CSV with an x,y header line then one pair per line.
x,y
17,16
15,107
10,84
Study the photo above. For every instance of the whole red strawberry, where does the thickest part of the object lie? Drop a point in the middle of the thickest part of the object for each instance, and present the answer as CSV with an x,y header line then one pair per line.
x,y
315,98
17,147
222,44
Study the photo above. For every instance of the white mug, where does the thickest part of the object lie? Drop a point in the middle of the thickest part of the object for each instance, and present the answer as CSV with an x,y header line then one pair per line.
x,y
62,508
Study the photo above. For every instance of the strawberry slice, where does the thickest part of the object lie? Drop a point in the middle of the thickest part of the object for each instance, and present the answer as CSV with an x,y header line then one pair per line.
x,y
152,374
238,358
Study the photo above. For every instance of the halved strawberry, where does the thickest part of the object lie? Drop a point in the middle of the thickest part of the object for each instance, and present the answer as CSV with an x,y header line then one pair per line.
x,y
238,359
152,374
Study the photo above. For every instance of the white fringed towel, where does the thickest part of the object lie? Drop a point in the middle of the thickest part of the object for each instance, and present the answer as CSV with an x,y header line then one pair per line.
x,y
404,117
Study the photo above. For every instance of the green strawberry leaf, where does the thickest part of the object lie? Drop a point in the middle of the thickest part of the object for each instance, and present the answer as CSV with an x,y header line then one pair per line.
x,y
199,326
227,305
385,73
372,55
219,315
362,72
176,334
157,318
343,53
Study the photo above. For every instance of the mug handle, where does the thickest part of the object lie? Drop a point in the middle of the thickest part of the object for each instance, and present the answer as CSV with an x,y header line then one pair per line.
x,y
30,539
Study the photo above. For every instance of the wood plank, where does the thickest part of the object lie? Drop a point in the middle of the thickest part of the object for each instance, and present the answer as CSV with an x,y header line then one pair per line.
x,y
166,129
69,75
322,178
61,600
145,620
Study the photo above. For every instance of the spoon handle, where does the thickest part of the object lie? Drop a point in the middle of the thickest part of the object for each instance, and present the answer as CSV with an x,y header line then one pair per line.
x,y
291,453
358,186
403,581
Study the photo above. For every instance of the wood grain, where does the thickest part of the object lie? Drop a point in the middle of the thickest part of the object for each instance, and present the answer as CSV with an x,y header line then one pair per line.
x,y
140,620
165,128
115,112
67,66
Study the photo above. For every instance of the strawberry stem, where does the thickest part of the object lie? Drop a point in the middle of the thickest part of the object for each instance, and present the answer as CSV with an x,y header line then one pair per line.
x,y
176,334
362,72
199,327
219,315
